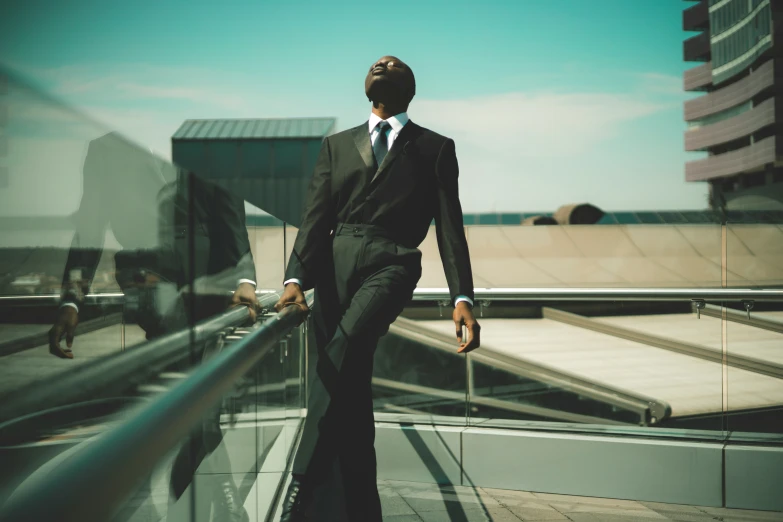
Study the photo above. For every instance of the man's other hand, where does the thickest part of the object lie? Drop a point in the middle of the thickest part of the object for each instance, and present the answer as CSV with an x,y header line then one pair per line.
x,y
64,325
245,295
463,315
292,293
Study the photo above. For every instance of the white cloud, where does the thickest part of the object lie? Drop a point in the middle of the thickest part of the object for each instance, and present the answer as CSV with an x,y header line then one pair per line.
x,y
178,92
662,83
518,151
535,125
135,82
128,98
534,151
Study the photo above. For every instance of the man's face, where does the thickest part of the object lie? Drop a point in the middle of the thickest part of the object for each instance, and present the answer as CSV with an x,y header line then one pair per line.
x,y
389,80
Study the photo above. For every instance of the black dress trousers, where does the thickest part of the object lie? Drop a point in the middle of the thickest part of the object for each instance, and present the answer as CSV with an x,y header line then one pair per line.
x,y
372,279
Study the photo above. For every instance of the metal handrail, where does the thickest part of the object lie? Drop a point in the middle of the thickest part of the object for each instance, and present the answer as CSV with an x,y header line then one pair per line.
x,y
103,298
608,294
508,294
108,469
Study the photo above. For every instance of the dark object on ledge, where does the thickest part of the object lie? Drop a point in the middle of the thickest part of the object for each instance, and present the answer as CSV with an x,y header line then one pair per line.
x,y
578,214
539,220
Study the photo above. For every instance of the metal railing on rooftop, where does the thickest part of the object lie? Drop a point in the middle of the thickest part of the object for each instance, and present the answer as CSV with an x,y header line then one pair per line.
x,y
128,453
506,294
609,294
103,299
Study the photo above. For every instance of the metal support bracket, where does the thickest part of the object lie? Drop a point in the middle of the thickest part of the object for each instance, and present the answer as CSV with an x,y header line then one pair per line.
x,y
748,305
699,304
484,303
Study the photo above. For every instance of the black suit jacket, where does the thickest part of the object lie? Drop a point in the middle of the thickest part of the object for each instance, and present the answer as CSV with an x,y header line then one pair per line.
x,y
416,183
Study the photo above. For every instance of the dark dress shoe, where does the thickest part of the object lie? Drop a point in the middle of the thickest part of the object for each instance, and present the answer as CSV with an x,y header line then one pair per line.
x,y
297,499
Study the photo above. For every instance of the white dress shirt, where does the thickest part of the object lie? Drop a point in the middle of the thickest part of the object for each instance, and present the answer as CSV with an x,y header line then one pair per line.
x,y
396,123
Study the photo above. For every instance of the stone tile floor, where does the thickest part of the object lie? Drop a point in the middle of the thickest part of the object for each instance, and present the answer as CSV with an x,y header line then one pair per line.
x,y
416,502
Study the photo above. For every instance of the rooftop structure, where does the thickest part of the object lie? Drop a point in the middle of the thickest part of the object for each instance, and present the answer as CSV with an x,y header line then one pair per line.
x,y
267,162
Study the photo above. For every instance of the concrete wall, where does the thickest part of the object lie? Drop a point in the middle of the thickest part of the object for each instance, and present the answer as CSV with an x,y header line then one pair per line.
x,y
634,468
586,255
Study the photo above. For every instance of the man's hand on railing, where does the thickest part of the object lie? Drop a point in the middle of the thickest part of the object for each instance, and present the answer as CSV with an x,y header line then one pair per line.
x,y
64,325
292,296
463,315
245,295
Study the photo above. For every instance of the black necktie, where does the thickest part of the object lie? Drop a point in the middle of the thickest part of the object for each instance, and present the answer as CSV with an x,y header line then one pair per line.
x,y
381,146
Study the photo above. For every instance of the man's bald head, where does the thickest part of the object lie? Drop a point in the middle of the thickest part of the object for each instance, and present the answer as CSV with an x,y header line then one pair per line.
x,y
390,81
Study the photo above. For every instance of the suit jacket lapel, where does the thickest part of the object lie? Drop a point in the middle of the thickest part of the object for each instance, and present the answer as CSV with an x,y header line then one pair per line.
x,y
397,147
361,137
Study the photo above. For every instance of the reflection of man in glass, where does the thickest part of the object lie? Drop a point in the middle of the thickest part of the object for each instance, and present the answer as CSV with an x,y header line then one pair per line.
x,y
158,214
141,198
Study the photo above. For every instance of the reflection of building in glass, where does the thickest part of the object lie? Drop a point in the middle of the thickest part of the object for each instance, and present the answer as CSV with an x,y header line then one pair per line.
x,y
737,120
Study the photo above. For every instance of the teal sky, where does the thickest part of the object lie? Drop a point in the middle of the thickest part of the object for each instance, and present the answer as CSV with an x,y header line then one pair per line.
x,y
549,101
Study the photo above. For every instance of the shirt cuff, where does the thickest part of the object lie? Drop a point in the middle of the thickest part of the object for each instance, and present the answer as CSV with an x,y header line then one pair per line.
x,y
293,280
246,281
71,304
463,298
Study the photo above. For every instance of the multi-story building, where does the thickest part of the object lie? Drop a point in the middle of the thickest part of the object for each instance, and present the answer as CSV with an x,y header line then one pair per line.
x,y
737,121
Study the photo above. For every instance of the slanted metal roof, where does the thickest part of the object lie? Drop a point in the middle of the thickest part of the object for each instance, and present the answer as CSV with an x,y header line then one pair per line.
x,y
689,384
266,128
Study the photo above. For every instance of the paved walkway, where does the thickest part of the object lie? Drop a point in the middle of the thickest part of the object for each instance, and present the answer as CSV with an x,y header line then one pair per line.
x,y
415,502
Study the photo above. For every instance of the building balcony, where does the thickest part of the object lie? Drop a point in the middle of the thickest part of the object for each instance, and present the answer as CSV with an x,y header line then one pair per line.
x,y
698,78
743,160
732,95
696,17
740,126
697,48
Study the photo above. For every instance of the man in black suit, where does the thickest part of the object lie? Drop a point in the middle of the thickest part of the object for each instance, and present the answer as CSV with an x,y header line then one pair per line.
x,y
374,193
